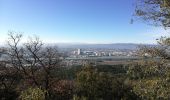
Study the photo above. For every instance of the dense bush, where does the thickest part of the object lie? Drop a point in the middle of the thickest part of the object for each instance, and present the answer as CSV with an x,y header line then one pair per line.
x,y
33,94
94,85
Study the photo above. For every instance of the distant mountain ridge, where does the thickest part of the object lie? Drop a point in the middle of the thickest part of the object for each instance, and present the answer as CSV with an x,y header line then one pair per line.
x,y
130,46
103,46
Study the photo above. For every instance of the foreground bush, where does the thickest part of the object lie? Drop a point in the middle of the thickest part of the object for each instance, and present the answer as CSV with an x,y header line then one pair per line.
x,y
94,85
33,94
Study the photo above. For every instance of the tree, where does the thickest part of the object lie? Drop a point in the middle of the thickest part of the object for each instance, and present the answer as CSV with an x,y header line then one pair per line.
x,y
33,94
32,61
63,90
155,12
9,80
150,77
94,85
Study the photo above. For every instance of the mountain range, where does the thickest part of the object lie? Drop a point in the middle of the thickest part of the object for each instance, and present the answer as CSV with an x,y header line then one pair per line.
x,y
131,46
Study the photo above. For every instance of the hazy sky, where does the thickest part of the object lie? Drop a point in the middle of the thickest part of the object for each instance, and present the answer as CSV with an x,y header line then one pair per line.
x,y
77,21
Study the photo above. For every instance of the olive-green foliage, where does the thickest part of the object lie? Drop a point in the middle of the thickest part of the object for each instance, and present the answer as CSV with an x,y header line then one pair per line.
x,y
70,73
75,97
150,77
86,83
33,94
152,89
113,69
94,85
150,83
66,73
146,69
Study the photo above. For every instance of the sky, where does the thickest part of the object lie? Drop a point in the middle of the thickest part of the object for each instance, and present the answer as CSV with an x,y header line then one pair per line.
x,y
76,21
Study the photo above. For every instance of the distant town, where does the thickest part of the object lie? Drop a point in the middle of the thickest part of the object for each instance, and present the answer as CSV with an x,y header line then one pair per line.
x,y
82,56
84,53
110,54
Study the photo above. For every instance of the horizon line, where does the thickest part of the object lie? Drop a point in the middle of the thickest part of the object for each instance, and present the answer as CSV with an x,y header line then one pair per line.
x,y
86,43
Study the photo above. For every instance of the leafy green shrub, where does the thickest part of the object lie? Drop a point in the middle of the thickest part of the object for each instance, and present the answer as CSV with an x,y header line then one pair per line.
x,y
75,97
146,69
33,94
94,85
